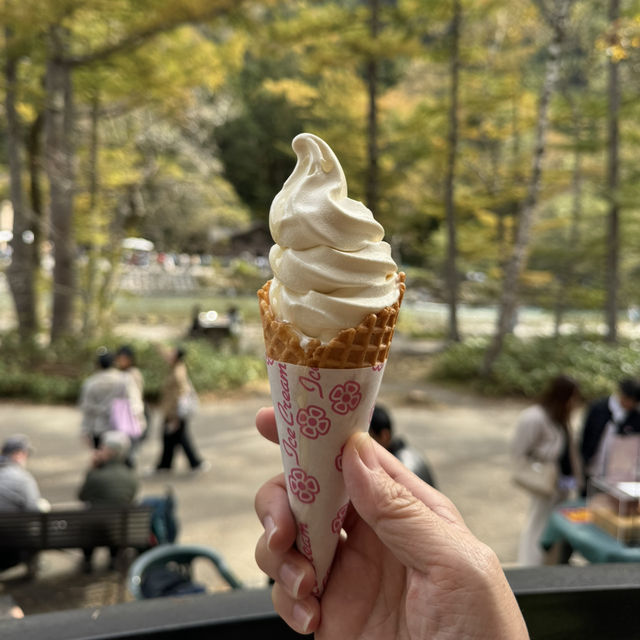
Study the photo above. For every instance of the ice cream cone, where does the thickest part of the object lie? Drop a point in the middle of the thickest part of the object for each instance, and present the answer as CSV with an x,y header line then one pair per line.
x,y
331,269
366,345
322,395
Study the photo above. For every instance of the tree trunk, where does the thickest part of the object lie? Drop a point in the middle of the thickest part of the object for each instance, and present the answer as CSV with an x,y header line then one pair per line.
x,y
20,272
566,276
518,258
89,293
371,194
59,167
613,185
34,161
450,214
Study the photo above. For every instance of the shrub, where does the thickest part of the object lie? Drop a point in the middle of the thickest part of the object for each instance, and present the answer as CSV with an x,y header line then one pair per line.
x,y
55,374
525,366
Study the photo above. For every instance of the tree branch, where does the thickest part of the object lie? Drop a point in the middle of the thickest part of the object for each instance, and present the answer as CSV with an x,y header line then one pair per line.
x,y
135,40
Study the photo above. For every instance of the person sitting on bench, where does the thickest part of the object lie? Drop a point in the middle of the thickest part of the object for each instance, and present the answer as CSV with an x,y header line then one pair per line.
x,y
18,491
109,482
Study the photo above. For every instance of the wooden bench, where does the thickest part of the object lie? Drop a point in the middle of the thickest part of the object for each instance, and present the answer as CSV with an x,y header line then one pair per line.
x,y
119,527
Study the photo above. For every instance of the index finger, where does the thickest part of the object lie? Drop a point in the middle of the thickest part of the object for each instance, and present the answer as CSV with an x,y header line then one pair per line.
x,y
266,424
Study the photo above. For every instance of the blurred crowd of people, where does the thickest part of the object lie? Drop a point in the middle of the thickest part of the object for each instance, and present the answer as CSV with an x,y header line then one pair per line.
x,y
544,436
115,422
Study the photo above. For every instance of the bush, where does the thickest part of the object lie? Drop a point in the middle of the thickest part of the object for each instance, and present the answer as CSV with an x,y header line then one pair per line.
x,y
55,374
525,366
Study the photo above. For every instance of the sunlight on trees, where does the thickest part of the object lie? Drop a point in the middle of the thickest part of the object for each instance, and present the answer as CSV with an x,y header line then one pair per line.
x,y
499,177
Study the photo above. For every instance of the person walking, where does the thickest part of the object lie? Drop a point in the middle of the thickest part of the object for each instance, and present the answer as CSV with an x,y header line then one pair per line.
x,y
125,361
97,395
543,435
177,404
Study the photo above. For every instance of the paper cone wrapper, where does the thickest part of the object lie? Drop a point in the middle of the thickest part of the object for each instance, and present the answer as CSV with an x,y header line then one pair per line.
x,y
317,410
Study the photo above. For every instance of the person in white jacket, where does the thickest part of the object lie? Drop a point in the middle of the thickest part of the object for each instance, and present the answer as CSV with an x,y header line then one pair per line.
x,y
543,434
97,396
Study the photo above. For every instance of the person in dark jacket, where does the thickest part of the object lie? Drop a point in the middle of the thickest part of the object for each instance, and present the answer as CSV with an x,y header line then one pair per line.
x,y
614,416
110,481
381,430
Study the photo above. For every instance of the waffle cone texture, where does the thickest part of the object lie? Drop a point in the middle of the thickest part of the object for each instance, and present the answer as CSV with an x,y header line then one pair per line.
x,y
366,345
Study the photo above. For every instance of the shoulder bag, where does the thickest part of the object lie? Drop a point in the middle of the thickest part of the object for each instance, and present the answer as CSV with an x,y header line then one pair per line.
x,y
536,477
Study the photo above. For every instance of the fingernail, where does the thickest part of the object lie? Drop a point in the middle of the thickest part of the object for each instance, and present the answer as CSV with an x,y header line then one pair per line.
x,y
302,616
269,529
366,451
291,577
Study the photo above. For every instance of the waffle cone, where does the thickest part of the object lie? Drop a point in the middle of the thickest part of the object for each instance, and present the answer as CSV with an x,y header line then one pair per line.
x,y
366,345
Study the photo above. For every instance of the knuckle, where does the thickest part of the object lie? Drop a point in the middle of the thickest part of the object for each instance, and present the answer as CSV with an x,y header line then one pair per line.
x,y
394,500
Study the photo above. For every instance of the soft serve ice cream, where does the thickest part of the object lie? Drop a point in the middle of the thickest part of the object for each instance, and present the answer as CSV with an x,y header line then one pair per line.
x,y
328,317
331,267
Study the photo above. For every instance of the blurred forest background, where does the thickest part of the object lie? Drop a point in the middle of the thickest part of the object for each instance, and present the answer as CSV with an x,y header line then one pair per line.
x,y
495,141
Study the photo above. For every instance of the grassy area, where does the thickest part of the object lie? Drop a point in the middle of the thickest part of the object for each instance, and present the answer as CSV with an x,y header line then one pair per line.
x,y
55,374
178,309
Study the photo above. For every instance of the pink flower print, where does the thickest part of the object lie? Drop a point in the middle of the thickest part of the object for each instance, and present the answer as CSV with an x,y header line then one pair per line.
x,y
303,486
345,397
317,591
336,524
313,421
338,461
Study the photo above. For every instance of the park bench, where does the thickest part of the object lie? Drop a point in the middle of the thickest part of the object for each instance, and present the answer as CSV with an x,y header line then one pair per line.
x,y
105,526
214,327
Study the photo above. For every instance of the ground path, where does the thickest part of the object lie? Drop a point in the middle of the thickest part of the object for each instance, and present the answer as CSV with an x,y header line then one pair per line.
x,y
464,436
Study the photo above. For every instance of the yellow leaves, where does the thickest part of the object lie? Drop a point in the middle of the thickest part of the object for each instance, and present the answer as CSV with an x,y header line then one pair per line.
x,y
294,91
486,218
26,112
616,53
397,101
118,167
620,38
537,279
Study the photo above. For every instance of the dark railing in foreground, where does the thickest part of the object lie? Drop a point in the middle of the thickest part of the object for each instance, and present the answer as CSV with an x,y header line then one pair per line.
x,y
596,602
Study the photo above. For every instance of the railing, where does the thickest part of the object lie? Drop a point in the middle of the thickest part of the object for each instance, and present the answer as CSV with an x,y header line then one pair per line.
x,y
597,602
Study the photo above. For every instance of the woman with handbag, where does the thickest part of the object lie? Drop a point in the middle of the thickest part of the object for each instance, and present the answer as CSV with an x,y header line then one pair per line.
x,y
545,459
177,404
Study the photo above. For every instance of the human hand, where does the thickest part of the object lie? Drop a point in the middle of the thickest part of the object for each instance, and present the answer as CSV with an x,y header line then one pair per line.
x,y
408,568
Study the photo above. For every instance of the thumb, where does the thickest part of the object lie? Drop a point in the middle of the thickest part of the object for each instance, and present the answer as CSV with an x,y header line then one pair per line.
x,y
403,522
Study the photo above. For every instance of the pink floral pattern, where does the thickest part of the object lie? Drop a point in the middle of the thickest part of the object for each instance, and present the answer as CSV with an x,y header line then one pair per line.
x,y
304,487
313,421
336,524
345,397
317,591
338,461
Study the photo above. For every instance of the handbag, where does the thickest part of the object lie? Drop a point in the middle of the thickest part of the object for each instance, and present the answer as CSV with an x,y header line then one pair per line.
x,y
187,404
535,476
122,418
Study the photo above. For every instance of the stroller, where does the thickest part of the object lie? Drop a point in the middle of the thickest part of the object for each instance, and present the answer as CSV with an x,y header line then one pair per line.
x,y
167,570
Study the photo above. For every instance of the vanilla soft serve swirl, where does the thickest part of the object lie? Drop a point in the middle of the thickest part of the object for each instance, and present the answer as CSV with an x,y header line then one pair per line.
x,y
331,267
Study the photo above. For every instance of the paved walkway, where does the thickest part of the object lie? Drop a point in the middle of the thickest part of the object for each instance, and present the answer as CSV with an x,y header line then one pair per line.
x,y
464,437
